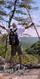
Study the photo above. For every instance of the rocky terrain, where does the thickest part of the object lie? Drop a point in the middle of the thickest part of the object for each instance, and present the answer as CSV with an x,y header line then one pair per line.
x,y
32,71
28,74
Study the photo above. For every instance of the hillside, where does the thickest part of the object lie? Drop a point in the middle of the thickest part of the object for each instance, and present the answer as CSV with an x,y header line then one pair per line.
x,y
28,41
34,50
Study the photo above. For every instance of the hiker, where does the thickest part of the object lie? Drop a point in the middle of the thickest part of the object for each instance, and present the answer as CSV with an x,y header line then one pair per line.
x,y
17,47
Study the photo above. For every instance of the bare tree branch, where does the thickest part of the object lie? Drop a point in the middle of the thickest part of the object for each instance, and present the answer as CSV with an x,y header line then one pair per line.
x,y
34,24
12,13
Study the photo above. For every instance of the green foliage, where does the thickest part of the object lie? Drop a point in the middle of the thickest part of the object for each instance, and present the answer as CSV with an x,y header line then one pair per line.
x,y
2,13
7,6
2,50
34,50
2,2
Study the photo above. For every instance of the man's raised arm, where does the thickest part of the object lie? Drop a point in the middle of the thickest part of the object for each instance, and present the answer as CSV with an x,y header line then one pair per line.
x,y
3,27
29,26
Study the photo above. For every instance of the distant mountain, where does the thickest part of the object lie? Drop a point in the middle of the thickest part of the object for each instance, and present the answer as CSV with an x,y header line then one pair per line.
x,y
28,41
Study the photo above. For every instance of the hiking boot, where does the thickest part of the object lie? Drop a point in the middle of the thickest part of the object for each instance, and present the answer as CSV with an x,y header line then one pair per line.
x,y
22,68
12,67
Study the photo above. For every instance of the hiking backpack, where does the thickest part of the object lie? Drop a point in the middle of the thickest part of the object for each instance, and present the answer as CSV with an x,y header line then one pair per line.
x,y
13,37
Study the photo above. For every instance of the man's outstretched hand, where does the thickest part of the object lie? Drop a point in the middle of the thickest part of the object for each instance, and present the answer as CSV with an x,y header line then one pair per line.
x,y
32,24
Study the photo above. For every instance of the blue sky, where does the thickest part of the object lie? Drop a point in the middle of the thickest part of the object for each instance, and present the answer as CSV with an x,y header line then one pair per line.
x,y
35,14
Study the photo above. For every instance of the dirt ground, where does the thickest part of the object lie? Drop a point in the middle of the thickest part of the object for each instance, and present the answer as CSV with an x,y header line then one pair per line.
x,y
28,74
